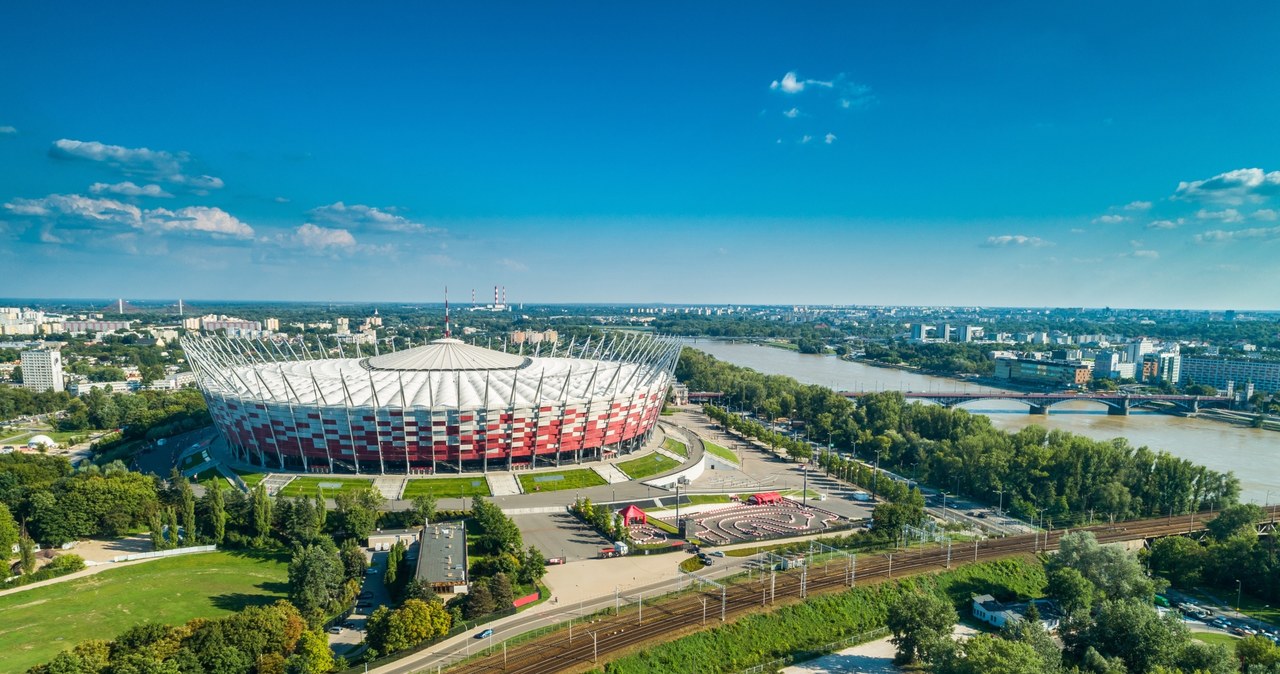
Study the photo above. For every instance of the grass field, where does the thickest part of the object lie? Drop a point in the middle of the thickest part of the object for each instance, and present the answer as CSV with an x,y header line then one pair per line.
x,y
1215,638
310,486
695,499
103,605
722,452
675,447
450,487
647,465
569,479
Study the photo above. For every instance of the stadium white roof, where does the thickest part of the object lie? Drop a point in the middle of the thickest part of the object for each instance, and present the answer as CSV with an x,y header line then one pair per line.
x,y
447,354
444,374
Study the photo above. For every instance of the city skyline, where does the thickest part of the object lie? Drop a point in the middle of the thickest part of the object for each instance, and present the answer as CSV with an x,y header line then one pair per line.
x,y
1120,156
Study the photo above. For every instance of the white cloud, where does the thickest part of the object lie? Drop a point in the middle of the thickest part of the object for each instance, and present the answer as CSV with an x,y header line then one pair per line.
x,y
358,216
1266,215
854,95
205,219
157,165
322,238
281,200
61,213
1138,206
1223,235
829,138
1015,240
128,189
1110,219
7,130
1227,215
1236,187
1146,254
805,139
1077,230
513,265
1165,224
792,113
793,85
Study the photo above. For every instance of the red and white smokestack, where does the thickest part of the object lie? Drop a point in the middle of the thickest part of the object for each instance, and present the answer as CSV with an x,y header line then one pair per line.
x,y
447,332
495,296
504,296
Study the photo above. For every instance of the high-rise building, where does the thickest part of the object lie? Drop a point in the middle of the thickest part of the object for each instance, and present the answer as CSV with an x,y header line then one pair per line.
x,y
344,325
1136,350
920,332
942,332
272,324
42,370
1217,372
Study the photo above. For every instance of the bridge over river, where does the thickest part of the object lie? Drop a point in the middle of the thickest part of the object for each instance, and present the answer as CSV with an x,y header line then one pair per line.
x,y
1118,404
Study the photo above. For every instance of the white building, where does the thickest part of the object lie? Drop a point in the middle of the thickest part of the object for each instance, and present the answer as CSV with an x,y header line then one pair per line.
x,y
42,370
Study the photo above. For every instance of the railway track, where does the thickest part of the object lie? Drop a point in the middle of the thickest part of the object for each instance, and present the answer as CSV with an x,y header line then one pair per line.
x,y
613,634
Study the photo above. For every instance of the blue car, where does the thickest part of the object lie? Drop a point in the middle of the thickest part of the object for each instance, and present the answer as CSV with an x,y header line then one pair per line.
x,y
485,634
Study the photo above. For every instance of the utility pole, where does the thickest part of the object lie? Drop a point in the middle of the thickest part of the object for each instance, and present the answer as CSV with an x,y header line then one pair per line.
x,y
641,621
723,602
595,650
704,610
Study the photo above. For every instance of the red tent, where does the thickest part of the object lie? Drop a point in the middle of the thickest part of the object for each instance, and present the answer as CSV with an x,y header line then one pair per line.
x,y
632,514
765,498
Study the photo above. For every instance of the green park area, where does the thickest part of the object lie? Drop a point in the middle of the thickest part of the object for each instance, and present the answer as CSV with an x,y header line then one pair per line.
x,y
447,487
647,465
675,447
101,606
310,486
559,480
721,452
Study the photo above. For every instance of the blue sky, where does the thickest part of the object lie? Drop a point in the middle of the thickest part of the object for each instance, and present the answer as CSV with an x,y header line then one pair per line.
x,y
957,153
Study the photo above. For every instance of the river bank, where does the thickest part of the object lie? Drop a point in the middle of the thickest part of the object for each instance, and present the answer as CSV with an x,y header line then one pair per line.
x,y
1252,454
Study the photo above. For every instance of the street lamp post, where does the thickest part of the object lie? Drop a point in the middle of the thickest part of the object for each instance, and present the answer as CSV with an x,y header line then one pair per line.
x,y
1239,594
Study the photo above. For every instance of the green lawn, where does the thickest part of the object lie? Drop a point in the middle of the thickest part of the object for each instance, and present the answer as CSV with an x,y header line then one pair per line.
x,y
103,605
647,465
310,486
569,479
695,499
1215,638
675,447
251,480
722,452
447,487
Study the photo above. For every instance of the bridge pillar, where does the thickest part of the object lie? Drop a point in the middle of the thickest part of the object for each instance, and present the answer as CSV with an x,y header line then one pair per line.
x,y
1038,409
1121,410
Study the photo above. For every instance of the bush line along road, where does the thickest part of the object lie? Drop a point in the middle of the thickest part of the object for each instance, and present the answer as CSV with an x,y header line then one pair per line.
x,y
616,634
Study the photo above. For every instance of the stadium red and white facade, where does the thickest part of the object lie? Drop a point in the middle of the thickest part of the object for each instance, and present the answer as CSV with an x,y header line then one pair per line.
x,y
445,406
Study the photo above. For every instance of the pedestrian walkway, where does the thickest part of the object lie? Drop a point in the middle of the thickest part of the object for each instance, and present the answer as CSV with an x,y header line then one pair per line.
x,y
503,484
390,487
610,473
274,482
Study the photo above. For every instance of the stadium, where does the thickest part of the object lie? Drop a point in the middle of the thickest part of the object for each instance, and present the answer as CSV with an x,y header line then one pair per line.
x,y
445,406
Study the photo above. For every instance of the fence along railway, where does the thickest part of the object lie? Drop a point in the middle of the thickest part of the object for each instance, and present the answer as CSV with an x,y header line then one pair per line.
x,y
616,634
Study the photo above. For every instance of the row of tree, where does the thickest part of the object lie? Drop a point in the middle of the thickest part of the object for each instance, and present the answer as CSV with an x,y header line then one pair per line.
x,y
255,640
1232,552
1108,625
1033,471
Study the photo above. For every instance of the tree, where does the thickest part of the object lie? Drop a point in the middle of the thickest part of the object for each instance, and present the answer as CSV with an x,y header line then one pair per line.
x,y
1114,572
479,600
187,501
157,532
533,566
1257,650
500,587
217,514
414,622
989,654
354,563
1131,630
1233,520
315,580
424,508
8,533
358,511
1073,591
26,554
171,527
919,622
261,515
16,375
1178,559
312,656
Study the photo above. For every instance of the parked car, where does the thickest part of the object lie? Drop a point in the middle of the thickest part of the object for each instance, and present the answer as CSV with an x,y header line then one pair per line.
x,y
485,634
718,553
335,630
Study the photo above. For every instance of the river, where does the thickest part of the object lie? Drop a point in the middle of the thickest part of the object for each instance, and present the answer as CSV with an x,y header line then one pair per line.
x,y
1252,454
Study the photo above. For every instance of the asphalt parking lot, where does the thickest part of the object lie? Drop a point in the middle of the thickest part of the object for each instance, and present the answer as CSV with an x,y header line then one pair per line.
x,y
560,535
